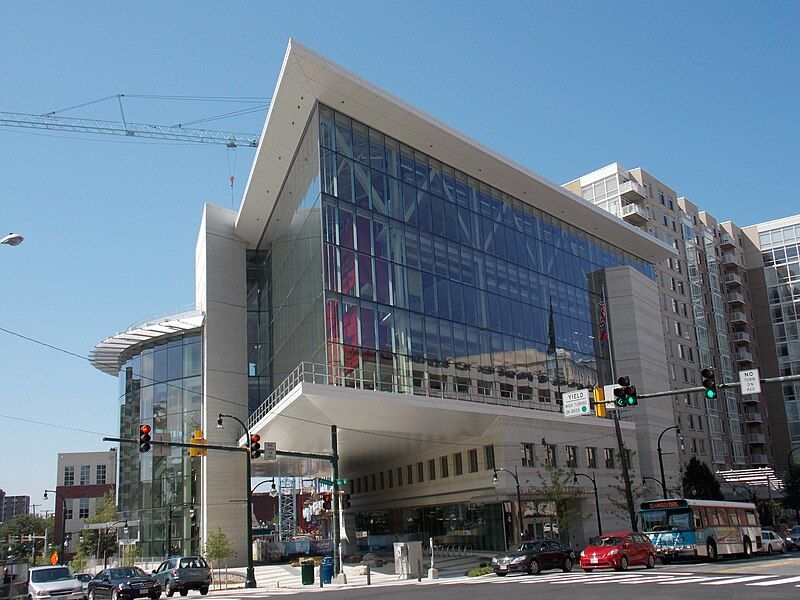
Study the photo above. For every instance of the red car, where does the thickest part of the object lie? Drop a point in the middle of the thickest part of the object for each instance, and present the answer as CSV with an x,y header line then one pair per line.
x,y
618,551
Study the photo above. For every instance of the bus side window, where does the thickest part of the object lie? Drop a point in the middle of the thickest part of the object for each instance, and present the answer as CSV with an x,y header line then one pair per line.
x,y
751,517
698,518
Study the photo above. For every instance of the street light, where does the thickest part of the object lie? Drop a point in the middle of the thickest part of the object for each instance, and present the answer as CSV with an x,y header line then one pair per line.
x,y
12,239
250,575
661,458
513,474
63,514
596,498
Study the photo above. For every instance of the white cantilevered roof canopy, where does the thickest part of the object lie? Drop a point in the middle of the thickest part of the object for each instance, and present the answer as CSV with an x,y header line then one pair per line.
x,y
756,477
110,354
307,77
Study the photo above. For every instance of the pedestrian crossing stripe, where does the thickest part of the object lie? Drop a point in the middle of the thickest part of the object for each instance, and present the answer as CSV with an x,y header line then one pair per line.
x,y
728,580
776,582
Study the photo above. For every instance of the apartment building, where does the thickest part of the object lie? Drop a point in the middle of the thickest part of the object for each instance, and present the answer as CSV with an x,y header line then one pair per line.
x,y
82,478
15,505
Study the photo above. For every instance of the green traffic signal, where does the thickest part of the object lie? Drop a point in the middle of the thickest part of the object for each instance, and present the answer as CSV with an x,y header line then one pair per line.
x,y
710,383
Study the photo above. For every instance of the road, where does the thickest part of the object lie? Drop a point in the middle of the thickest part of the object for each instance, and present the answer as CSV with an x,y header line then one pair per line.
x,y
774,577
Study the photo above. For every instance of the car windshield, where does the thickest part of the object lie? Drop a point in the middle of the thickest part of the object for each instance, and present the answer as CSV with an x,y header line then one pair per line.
x,y
667,520
126,573
193,562
48,575
611,540
527,547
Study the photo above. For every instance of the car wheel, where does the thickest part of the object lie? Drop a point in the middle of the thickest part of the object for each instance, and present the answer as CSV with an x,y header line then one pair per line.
x,y
501,574
588,570
711,551
184,591
155,596
769,549
651,561
567,566
170,592
92,595
203,591
783,548
623,564
535,568
114,595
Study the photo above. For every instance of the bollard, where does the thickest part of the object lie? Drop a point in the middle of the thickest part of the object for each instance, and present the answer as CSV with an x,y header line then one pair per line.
x,y
419,570
369,575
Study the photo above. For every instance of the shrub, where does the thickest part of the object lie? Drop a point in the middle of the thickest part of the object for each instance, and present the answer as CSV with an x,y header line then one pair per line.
x,y
478,571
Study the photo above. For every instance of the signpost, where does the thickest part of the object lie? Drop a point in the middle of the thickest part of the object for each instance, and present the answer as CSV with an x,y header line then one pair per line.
x,y
270,451
750,381
577,403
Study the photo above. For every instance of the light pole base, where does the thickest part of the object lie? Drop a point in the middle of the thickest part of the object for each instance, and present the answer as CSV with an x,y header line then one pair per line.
x,y
250,578
433,573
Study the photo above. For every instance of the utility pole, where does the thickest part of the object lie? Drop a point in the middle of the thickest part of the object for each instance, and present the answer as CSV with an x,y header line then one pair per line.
x,y
335,500
620,443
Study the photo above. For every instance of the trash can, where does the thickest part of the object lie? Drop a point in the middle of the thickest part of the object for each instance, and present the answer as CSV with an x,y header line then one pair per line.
x,y
326,570
307,572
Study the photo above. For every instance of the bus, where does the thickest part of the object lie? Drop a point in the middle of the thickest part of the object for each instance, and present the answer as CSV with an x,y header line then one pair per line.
x,y
708,528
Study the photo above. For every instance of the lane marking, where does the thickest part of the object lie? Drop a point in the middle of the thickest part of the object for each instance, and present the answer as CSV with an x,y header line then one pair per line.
x,y
683,580
776,581
728,580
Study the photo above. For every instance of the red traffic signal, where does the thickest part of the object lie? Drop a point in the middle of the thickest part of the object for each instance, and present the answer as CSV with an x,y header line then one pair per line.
x,y
144,429
255,438
144,437
326,501
255,446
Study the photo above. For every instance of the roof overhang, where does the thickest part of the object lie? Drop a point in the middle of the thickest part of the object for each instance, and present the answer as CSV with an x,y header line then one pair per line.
x,y
377,427
307,77
110,354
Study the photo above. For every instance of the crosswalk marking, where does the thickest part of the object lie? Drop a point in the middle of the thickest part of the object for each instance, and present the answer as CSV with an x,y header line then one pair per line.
x,y
653,579
728,580
683,580
776,581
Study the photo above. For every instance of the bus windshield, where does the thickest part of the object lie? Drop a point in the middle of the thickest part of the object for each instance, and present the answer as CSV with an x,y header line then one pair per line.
x,y
667,520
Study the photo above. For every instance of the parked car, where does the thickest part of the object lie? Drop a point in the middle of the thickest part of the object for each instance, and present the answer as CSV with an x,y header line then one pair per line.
x,y
534,557
123,583
618,551
45,582
772,542
793,538
184,573
84,578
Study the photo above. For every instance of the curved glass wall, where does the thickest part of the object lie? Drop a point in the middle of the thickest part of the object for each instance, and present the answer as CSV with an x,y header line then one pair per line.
x,y
425,268
161,385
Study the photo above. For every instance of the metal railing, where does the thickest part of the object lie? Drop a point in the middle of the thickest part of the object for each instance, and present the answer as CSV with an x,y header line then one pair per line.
x,y
450,550
158,317
458,385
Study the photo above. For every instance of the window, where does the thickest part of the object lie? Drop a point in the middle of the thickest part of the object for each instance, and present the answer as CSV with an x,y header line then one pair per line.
x,y
608,453
444,467
572,457
358,485
374,487
551,459
68,508
101,475
472,457
399,476
390,473
458,466
591,458
431,469
488,455
69,475
528,456
410,473
83,507
420,472
85,471
383,481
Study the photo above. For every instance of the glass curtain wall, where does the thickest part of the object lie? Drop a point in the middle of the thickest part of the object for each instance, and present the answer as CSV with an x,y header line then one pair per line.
x,y
436,280
161,385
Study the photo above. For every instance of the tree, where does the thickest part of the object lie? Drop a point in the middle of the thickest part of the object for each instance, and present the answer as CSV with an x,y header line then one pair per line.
x,y
218,549
617,496
558,489
78,563
130,553
699,482
99,542
24,525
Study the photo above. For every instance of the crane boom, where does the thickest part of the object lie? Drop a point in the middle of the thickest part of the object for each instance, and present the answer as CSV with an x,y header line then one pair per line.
x,y
140,130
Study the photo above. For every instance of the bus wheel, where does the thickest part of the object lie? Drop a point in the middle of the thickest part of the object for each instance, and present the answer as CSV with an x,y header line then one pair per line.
x,y
748,548
711,549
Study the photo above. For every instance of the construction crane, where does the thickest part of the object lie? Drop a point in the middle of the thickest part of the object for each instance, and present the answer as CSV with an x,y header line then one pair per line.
x,y
123,128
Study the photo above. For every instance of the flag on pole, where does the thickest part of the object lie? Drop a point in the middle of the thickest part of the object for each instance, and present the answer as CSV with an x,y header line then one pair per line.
x,y
603,324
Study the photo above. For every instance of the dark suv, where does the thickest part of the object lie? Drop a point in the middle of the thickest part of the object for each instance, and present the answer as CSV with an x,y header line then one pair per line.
x,y
183,573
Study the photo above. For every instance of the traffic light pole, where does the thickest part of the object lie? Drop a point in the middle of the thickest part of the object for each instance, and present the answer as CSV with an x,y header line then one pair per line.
x,y
335,525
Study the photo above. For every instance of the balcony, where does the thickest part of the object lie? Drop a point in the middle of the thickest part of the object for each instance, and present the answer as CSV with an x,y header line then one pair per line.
x,y
631,191
735,298
726,241
744,356
756,438
759,459
753,417
729,259
738,317
634,214
733,279
741,337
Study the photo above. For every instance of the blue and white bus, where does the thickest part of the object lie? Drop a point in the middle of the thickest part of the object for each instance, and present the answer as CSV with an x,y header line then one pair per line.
x,y
709,528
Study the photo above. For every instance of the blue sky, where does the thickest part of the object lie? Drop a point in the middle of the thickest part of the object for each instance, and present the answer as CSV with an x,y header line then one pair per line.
x,y
704,96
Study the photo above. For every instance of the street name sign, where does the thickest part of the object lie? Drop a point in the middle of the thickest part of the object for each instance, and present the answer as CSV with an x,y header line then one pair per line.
x,y
271,451
576,404
750,381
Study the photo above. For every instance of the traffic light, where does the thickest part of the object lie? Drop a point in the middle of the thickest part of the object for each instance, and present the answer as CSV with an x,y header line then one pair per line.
x,y
345,501
326,501
197,438
710,383
625,395
255,446
144,437
599,402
